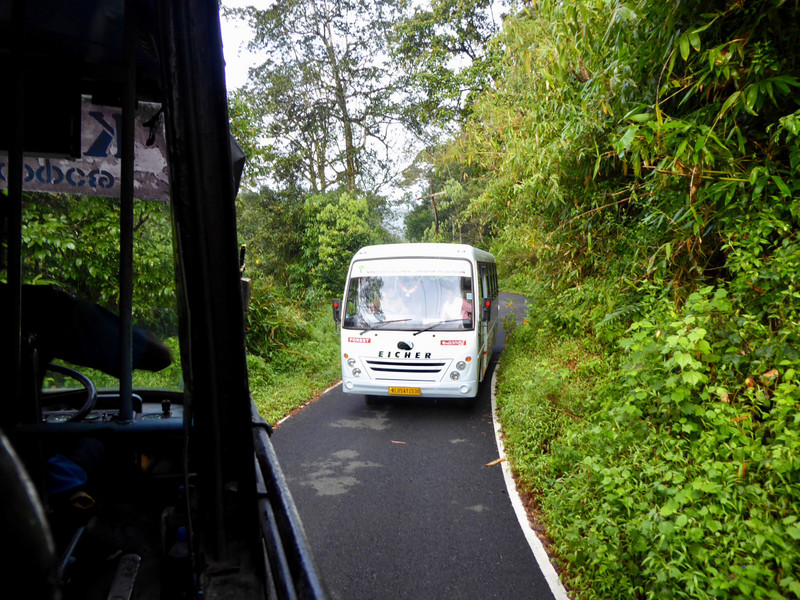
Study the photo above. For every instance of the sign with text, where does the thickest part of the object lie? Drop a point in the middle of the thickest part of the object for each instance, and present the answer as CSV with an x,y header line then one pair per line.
x,y
97,172
412,267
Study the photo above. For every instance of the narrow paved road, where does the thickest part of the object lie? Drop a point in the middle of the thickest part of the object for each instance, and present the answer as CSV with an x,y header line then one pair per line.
x,y
398,503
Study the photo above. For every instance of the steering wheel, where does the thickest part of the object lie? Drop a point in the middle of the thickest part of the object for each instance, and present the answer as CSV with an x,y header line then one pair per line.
x,y
91,391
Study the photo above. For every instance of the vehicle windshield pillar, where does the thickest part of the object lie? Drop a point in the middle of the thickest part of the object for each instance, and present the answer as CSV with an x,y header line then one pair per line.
x,y
126,217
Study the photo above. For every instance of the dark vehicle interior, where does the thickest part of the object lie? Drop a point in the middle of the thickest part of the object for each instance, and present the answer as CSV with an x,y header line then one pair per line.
x,y
124,490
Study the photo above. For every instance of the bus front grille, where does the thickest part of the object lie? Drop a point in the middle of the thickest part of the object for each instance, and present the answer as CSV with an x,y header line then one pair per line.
x,y
414,370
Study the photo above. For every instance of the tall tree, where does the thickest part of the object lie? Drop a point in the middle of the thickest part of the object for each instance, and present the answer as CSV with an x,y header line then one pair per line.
x,y
244,123
447,52
444,48
326,92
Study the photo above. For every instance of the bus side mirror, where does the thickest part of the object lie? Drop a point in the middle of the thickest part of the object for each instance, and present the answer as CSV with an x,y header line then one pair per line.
x,y
337,310
486,310
245,281
246,292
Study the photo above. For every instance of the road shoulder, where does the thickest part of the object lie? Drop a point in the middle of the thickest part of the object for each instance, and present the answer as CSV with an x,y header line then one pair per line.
x,y
536,545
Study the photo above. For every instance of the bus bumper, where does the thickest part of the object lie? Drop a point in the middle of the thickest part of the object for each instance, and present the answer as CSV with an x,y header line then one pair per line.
x,y
427,389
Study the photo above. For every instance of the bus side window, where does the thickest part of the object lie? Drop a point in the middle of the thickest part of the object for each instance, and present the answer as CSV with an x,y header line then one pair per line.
x,y
486,290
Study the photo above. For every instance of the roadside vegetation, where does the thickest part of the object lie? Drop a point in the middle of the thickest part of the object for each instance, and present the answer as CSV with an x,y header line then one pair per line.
x,y
642,175
293,351
634,167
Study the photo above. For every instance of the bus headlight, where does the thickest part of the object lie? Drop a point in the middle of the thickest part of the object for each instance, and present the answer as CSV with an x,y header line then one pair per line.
x,y
455,375
351,362
356,372
461,365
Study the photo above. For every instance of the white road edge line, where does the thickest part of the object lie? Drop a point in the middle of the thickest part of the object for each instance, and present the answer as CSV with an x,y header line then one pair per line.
x,y
333,385
539,553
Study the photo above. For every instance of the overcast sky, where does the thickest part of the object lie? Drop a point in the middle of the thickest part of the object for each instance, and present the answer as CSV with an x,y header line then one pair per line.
x,y
235,35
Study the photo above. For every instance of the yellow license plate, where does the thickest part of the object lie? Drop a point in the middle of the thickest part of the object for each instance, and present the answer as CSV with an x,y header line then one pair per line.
x,y
405,391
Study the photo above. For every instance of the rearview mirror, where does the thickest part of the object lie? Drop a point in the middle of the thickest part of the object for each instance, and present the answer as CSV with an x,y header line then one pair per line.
x,y
246,285
486,309
337,310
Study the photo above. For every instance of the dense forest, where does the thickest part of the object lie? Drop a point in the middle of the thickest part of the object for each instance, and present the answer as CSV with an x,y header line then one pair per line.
x,y
634,167
645,159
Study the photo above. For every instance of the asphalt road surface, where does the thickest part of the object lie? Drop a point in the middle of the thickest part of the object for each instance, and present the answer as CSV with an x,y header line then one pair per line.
x,y
398,503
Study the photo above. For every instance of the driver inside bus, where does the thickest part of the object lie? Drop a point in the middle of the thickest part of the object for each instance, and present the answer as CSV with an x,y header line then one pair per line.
x,y
81,332
392,305
412,296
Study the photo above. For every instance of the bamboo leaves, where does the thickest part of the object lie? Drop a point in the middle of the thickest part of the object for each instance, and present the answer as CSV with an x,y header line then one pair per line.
x,y
687,42
661,199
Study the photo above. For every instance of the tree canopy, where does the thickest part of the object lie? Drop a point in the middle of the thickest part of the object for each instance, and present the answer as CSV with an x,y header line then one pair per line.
x,y
635,167
327,93
445,50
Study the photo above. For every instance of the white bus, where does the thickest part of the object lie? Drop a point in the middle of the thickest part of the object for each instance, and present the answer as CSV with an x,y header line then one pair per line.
x,y
418,320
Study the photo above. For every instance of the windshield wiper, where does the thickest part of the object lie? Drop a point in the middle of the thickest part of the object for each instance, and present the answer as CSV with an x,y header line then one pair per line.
x,y
381,324
432,325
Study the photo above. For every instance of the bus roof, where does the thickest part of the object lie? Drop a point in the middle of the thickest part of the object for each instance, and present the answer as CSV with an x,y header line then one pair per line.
x,y
422,250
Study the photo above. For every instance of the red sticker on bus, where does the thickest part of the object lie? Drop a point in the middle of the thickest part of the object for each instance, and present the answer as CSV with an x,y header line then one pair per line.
x,y
359,340
453,342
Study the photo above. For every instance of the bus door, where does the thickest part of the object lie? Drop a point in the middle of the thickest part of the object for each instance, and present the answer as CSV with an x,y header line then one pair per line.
x,y
483,328
488,329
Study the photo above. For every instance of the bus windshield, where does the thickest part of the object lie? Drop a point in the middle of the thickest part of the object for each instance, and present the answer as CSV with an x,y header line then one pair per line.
x,y
410,295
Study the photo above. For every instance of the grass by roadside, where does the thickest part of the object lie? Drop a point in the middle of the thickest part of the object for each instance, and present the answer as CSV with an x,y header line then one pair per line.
x,y
650,482
299,372
545,387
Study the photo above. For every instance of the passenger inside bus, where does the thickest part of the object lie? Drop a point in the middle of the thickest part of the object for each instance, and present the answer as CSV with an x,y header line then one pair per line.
x,y
456,305
467,306
409,302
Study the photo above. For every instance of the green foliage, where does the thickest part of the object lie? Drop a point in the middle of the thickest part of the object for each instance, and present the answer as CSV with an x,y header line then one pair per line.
x,y
74,242
298,371
244,123
417,221
274,319
640,163
337,225
644,130
442,215
271,225
672,475
448,207
305,244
